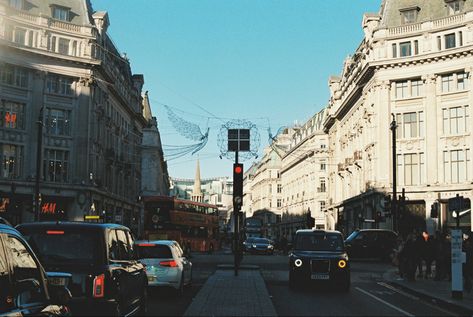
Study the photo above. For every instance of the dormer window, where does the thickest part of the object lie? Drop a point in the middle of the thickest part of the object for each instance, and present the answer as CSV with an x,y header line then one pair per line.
x,y
409,15
61,13
17,4
454,6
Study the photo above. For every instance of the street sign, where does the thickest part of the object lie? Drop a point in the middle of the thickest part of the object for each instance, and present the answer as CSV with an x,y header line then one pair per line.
x,y
458,258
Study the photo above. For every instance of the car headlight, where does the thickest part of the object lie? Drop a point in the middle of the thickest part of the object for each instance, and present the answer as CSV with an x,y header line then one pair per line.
x,y
254,245
298,262
270,246
342,264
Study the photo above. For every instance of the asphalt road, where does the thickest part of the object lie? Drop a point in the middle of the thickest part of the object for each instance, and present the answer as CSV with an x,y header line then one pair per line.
x,y
369,294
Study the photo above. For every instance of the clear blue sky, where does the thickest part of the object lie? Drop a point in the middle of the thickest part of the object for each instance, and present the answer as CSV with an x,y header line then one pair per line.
x,y
266,61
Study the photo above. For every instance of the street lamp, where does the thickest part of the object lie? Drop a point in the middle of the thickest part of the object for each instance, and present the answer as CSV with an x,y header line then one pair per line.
x,y
394,201
38,163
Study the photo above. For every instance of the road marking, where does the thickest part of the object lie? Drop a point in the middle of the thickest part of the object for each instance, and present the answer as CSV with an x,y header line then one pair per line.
x,y
416,298
385,303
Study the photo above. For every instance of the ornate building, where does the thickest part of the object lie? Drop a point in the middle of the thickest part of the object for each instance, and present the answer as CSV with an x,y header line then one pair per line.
x,y
413,65
59,68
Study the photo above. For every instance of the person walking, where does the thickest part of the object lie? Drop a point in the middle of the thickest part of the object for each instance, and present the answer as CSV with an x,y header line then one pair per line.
x,y
410,254
429,256
468,265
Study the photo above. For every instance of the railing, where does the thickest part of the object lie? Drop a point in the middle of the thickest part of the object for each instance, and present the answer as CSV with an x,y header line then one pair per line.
x,y
65,26
454,19
405,29
26,16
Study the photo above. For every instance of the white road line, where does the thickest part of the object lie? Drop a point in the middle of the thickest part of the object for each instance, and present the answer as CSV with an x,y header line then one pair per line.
x,y
416,298
385,303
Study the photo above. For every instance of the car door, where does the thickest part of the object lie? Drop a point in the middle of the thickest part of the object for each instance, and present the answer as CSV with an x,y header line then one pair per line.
x,y
29,292
119,270
7,307
137,273
358,246
186,264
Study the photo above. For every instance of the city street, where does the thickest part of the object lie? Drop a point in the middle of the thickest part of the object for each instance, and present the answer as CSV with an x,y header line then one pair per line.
x,y
369,294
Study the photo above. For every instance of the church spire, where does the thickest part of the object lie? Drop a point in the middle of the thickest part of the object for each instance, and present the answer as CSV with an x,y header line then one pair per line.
x,y
197,192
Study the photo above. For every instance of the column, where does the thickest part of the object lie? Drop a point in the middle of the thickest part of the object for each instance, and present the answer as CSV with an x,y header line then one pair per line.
x,y
432,123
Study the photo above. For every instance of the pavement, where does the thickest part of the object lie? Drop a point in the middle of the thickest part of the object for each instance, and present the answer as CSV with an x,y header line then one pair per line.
x,y
225,294
436,292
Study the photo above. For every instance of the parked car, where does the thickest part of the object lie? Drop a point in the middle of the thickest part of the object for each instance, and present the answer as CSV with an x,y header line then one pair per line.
x,y
26,289
166,264
371,243
258,246
107,279
319,256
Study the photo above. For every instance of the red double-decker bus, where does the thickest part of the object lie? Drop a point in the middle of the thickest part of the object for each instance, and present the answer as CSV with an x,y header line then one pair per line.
x,y
188,222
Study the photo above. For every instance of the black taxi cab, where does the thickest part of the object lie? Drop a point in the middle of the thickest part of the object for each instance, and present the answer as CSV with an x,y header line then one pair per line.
x,y
319,256
107,278
25,288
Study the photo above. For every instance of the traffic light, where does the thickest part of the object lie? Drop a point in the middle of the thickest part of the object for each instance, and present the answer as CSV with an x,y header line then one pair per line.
x,y
238,184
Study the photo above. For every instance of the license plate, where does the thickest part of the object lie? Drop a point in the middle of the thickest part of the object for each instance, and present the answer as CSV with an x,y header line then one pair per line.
x,y
151,278
57,281
320,276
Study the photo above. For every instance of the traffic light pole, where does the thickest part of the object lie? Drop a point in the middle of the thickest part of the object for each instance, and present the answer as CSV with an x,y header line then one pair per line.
x,y
236,233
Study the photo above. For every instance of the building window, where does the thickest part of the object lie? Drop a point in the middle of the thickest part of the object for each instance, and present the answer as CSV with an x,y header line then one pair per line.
x,y
405,49
15,76
416,88
58,122
416,47
455,120
279,188
279,203
411,125
394,50
462,81
323,166
17,4
12,157
401,89
454,7
322,205
456,164
412,167
59,85
19,36
61,13
270,189
447,83
323,187
12,115
55,166
409,15
63,46
452,81
450,40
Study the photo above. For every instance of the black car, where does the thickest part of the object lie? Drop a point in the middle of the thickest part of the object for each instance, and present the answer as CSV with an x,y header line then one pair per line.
x,y
106,277
371,243
259,246
25,288
319,256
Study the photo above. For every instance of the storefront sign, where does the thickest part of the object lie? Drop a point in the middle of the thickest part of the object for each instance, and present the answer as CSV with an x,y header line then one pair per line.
x,y
48,208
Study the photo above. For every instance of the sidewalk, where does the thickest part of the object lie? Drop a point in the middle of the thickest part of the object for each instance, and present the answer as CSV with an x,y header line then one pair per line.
x,y
227,295
438,292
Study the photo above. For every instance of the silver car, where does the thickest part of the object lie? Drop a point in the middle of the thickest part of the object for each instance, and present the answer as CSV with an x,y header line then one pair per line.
x,y
165,263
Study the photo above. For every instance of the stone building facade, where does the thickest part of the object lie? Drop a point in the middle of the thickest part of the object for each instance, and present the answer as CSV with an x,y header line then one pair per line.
x,y
414,66
58,66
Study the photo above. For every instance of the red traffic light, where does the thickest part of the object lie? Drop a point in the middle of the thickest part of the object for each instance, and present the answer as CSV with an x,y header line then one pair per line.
x,y
238,169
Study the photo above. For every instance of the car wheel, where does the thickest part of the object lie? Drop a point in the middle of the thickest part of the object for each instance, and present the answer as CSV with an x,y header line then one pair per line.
x,y
144,303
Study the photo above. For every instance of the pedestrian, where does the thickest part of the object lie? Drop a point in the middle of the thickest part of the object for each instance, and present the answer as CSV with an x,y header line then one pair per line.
x,y
439,246
410,254
420,255
429,256
284,244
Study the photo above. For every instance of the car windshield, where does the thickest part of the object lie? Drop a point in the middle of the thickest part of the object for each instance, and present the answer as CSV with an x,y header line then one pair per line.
x,y
260,240
63,246
153,251
319,242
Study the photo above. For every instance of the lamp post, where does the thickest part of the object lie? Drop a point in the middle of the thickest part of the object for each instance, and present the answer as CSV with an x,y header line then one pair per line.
x,y
394,201
39,148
